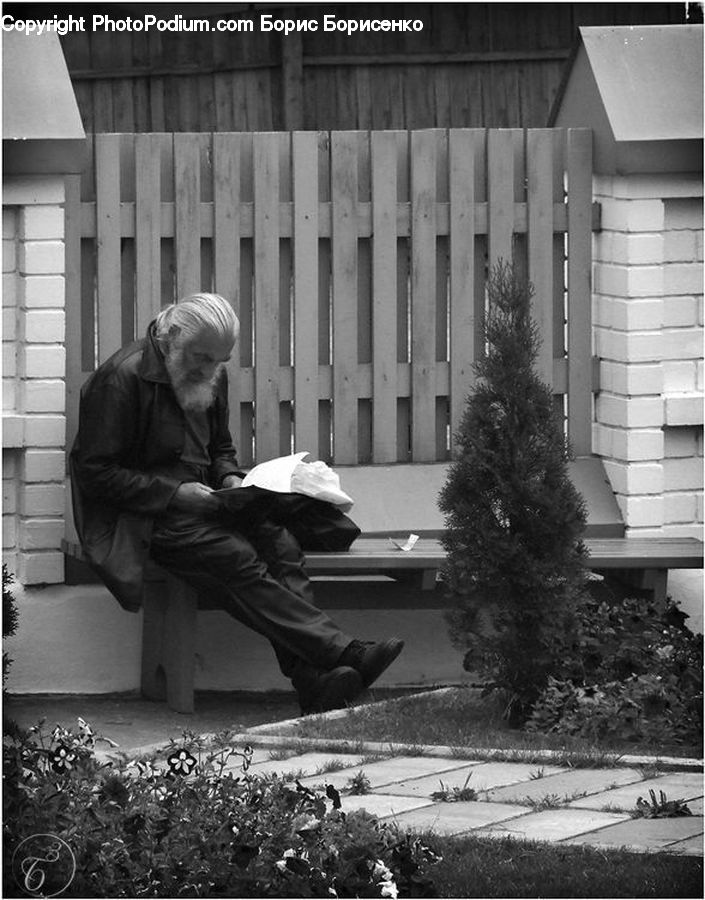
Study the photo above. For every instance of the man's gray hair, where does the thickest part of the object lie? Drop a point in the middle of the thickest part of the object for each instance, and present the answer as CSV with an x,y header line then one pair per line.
x,y
195,313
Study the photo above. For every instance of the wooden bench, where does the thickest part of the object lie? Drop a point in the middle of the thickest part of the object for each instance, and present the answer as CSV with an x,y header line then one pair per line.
x,y
391,501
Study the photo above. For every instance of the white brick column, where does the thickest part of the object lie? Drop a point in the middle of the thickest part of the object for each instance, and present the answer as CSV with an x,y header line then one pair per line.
x,y
648,335
34,406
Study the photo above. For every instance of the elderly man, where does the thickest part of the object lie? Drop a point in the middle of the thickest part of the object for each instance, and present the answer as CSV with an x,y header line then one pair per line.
x,y
153,445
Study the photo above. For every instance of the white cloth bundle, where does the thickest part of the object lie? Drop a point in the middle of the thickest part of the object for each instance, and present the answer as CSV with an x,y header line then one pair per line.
x,y
290,474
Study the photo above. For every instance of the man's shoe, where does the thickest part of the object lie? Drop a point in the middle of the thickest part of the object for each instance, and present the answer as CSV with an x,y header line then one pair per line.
x,y
323,691
369,658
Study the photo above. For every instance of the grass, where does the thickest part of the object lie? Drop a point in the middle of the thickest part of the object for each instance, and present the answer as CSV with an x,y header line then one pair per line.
x,y
462,718
505,867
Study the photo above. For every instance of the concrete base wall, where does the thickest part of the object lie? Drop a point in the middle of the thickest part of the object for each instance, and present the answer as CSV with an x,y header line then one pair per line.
x,y
78,640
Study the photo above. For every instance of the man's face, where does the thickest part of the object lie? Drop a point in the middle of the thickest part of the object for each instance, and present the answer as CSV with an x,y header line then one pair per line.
x,y
193,365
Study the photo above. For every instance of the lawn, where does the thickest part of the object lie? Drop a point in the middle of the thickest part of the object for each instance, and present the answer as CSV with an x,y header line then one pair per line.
x,y
461,717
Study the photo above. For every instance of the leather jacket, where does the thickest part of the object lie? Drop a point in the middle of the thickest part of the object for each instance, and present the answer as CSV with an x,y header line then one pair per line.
x,y
131,434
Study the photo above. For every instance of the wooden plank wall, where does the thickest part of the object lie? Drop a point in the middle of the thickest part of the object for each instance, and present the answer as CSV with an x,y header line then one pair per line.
x,y
356,262
485,65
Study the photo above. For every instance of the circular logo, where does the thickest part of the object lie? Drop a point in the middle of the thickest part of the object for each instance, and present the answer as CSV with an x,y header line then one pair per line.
x,y
43,865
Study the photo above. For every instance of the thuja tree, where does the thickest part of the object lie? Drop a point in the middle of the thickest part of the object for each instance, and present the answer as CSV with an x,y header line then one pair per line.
x,y
514,520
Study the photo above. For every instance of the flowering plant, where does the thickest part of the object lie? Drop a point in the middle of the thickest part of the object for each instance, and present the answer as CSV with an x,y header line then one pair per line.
x,y
197,822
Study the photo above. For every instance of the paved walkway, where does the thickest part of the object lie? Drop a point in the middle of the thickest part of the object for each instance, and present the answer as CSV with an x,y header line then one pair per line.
x,y
535,801
529,801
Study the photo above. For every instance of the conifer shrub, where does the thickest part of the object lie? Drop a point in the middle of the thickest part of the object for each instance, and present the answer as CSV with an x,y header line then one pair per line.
x,y
514,520
9,619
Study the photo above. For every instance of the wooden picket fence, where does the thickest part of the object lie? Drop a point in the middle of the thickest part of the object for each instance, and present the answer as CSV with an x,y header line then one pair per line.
x,y
357,264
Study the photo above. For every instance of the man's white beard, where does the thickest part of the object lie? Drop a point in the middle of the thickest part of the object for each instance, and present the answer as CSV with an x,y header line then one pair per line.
x,y
192,396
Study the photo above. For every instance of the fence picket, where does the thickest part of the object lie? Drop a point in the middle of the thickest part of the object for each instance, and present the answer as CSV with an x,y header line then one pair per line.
x,y
305,165
423,296
187,213
539,154
108,265
344,186
266,299
579,167
462,275
147,229
500,194
384,296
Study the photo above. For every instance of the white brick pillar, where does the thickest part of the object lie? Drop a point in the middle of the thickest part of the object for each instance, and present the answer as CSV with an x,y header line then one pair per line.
x,y
34,389
648,335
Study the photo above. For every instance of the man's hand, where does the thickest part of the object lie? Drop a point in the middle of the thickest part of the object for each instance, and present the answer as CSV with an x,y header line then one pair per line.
x,y
195,497
231,481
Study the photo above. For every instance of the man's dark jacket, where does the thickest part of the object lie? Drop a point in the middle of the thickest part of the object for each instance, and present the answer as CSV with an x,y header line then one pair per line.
x,y
130,437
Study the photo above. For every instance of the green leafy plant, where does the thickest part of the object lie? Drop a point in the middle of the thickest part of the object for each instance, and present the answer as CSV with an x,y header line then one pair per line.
x,y
196,822
359,784
632,674
455,794
661,808
10,617
514,520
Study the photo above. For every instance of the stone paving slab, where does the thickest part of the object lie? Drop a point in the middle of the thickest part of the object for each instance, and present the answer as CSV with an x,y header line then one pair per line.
x,y
554,824
387,771
689,847
567,783
482,775
459,818
309,764
382,805
644,834
675,785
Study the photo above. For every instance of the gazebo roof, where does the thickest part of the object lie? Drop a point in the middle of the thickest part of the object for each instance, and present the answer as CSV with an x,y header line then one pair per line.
x,y
640,88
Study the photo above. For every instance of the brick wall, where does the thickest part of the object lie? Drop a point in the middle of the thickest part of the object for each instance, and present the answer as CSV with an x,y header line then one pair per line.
x,y
34,423
648,319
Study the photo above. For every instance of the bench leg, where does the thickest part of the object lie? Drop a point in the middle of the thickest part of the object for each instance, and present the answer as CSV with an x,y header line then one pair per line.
x,y
169,644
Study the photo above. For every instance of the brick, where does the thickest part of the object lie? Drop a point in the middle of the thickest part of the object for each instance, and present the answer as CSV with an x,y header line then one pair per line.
x,y
9,496
12,432
684,409
635,314
42,223
679,508
635,380
641,511
699,504
686,212
45,431
10,462
632,215
682,246
629,412
43,395
679,375
9,288
42,499
9,255
9,394
680,312
683,474
41,534
43,291
685,530
43,465
629,281
10,560
43,361
631,445
683,278
9,532
680,442
44,326
682,343
40,567
628,346
42,258
26,190
9,222
700,375
640,186
9,324
634,478
9,360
